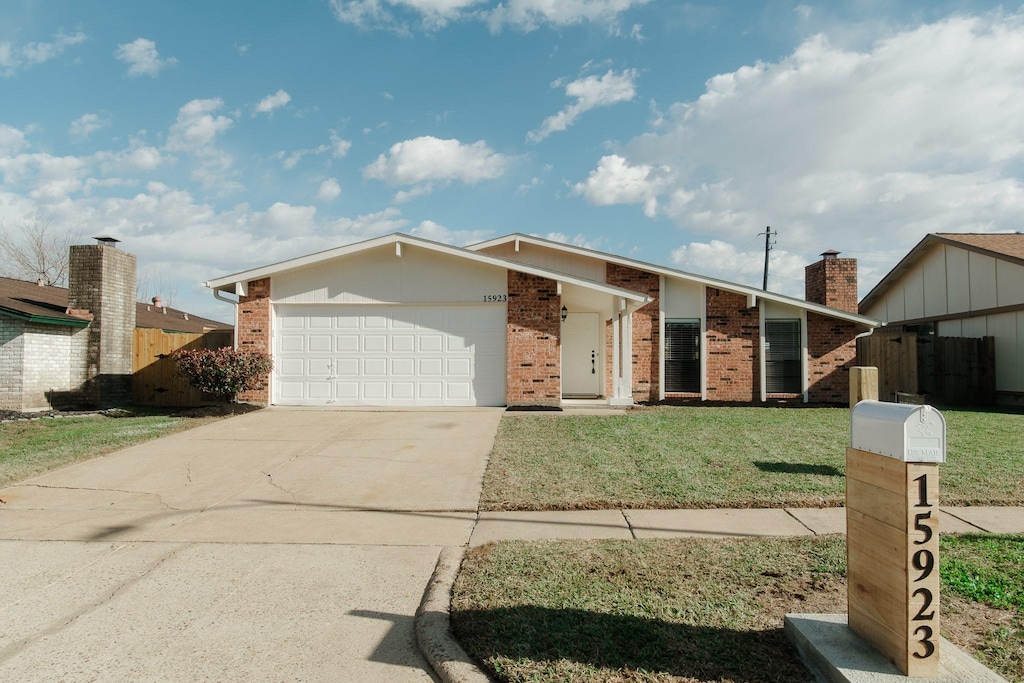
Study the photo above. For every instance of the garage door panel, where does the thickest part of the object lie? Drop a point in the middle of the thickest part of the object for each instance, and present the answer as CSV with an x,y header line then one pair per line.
x,y
403,343
375,367
389,355
403,367
431,343
319,343
346,343
375,343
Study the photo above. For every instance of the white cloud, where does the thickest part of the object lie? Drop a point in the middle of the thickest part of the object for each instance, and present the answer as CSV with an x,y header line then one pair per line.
x,y
12,140
392,14
724,261
272,102
14,57
339,147
142,58
527,15
616,181
589,92
424,161
85,125
434,231
329,190
197,125
578,240
866,150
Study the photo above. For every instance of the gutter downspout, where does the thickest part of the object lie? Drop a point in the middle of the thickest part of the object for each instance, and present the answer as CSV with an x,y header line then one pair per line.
x,y
220,297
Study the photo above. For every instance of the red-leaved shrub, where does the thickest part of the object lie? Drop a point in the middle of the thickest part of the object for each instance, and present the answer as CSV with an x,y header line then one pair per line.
x,y
225,372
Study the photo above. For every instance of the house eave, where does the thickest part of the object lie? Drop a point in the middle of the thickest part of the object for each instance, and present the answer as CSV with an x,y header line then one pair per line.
x,y
43,319
752,293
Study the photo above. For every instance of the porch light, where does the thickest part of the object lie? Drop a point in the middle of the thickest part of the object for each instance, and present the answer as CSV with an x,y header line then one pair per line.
x,y
565,313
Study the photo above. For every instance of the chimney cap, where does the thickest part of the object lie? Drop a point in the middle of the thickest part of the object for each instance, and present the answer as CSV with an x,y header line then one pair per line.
x,y
831,253
106,240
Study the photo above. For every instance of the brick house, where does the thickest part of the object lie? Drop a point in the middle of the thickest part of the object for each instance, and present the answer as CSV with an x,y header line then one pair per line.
x,y
72,346
522,321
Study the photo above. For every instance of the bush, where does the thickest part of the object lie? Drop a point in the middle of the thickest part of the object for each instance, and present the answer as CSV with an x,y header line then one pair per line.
x,y
225,372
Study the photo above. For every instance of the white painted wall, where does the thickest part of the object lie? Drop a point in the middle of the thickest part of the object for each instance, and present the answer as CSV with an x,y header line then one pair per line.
x,y
682,299
379,276
552,259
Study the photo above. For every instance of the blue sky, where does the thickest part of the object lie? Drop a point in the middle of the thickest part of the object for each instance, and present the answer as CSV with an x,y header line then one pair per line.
x,y
214,137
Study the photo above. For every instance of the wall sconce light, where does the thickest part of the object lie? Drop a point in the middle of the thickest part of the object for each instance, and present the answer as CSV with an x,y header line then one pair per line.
x,y
565,313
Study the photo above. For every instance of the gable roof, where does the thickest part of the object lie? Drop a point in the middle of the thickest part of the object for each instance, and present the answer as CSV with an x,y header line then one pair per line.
x,y
751,293
49,305
235,283
1003,246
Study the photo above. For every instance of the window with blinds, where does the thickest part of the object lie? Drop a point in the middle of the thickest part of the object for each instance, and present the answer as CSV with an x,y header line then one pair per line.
x,y
682,356
782,356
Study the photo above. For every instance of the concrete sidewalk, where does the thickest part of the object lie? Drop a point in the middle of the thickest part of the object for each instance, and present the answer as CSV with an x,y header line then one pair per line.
x,y
714,523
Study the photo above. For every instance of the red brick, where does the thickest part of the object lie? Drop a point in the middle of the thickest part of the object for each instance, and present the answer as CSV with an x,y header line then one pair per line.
x,y
533,343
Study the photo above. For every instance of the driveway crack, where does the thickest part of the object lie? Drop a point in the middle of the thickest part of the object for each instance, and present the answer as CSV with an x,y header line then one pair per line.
x,y
270,480
158,497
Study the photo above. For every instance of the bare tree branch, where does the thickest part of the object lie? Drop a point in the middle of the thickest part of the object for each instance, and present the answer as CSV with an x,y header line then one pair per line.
x,y
154,281
36,251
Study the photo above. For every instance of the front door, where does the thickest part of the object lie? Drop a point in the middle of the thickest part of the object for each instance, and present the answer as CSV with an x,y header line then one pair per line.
x,y
581,355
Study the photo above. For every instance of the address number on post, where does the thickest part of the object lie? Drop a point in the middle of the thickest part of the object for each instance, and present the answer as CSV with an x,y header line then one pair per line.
x,y
495,298
922,563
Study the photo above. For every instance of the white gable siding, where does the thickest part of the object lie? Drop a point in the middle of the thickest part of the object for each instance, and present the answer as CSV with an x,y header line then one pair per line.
x,y
949,281
983,281
379,276
551,259
933,268
1009,283
682,299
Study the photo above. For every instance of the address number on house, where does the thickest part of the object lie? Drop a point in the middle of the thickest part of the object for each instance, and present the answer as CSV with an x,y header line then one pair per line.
x,y
495,298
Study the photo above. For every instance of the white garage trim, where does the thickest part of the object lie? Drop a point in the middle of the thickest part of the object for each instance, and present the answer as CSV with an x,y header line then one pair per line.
x,y
389,355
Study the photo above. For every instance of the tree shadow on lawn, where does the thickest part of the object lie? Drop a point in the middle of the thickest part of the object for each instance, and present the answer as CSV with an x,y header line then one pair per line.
x,y
625,643
797,468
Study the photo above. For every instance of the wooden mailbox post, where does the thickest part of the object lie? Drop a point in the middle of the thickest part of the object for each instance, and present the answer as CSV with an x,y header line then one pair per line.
x,y
892,509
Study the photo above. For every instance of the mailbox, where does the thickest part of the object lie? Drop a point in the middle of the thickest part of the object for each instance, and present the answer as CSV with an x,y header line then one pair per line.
x,y
910,433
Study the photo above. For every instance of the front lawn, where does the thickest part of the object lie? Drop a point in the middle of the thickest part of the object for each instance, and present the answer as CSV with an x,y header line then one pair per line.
x,y
698,610
28,448
695,457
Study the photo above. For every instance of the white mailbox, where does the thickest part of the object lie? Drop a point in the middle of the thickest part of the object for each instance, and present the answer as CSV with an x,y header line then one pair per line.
x,y
910,433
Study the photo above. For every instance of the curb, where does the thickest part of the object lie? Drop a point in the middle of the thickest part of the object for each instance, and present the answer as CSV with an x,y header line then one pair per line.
x,y
433,624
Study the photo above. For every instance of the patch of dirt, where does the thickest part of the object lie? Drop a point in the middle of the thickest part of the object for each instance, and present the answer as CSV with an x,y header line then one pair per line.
x,y
219,410
967,624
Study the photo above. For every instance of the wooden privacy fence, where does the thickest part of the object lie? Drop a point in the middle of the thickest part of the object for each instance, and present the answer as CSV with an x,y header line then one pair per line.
x,y
949,370
154,380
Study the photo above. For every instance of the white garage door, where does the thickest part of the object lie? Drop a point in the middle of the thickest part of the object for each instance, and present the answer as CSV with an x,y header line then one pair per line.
x,y
389,355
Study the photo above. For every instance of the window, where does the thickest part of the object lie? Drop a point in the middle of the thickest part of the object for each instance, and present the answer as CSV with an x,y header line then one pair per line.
x,y
682,356
782,356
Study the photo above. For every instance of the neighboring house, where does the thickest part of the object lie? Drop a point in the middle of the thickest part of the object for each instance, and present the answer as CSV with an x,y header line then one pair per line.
x,y
521,321
961,285
73,346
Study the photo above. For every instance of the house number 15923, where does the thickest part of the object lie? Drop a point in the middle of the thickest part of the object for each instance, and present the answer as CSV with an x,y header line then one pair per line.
x,y
923,563
495,298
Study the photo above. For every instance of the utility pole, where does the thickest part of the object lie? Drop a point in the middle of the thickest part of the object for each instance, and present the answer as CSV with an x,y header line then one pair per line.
x,y
768,244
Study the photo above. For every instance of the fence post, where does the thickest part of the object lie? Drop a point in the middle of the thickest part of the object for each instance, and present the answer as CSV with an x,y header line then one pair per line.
x,y
863,385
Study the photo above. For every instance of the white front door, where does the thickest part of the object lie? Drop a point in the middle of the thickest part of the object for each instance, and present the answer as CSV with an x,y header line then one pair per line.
x,y
581,355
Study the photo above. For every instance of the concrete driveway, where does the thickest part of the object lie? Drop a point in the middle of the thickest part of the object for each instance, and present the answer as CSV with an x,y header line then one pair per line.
x,y
280,545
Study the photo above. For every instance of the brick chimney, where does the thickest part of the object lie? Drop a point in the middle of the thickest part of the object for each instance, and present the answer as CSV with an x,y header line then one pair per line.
x,y
832,281
101,280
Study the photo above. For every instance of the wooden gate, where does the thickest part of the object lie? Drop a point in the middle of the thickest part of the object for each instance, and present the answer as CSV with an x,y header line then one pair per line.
x,y
154,380
949,370
895,356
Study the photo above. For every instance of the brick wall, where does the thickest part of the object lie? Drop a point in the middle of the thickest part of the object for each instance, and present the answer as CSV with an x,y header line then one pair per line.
x,y
101,280
253,332
732,340
833,283
646,328
534,325
831,351
12,346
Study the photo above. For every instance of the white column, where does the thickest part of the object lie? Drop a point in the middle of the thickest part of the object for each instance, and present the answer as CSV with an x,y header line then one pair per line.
x,y
622,355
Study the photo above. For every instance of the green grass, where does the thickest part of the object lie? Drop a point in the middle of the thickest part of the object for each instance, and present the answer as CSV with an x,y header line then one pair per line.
x,y
692,610
37,446
697,457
